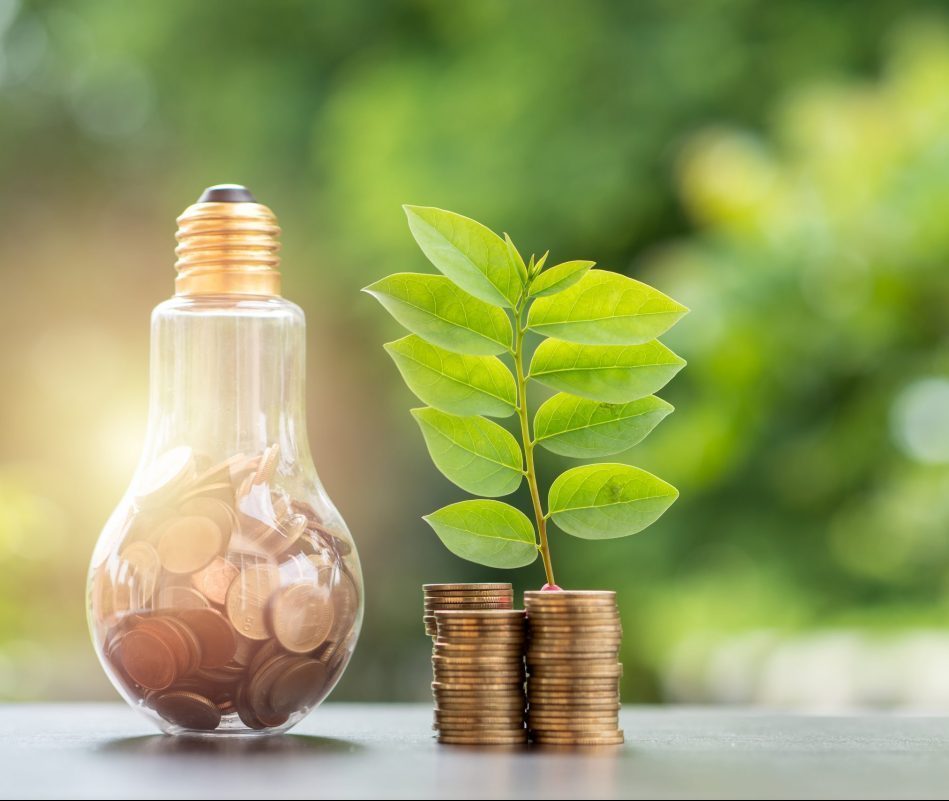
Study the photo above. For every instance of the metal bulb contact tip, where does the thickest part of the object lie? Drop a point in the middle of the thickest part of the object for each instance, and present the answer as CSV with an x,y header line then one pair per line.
x,y
227,193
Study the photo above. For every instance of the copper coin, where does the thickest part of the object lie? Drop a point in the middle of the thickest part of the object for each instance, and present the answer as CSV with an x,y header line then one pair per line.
x,y
513,739
244,710
613,738
183,644
259,687
431,588
189,543
574,682
574,669
212,581
188,710
216,635
268,465
345,599
248,597
214,509
482,686
285,534
481,615
607,723
298,687
460,719
246,648
505,706
301,617
265,652
571,596
607,701
478,728
148,660
177,597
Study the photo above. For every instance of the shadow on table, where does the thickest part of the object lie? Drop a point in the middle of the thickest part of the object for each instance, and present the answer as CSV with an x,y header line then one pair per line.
x,y
279,745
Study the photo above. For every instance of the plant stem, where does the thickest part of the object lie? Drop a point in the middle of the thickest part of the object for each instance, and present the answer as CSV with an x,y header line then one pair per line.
x,y
528,443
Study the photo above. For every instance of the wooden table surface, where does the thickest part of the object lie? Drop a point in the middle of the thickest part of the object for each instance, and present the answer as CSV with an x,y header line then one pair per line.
x,y
386,751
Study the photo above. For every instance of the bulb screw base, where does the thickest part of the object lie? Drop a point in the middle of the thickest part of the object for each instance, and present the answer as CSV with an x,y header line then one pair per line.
x,y
227,245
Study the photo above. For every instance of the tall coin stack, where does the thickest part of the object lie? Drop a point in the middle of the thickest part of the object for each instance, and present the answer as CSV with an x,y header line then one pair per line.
x,y
573,668
464,596
478,664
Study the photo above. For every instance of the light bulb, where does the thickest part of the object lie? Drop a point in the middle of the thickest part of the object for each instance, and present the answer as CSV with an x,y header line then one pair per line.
x,y
225,593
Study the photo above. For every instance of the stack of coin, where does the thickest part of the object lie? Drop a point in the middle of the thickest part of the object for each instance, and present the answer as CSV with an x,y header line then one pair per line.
x,y
464,596
225,602
478,663
573,668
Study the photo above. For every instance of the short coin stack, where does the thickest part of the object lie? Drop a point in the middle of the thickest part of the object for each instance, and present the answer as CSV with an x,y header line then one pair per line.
x,y
478,663
464,596
573,668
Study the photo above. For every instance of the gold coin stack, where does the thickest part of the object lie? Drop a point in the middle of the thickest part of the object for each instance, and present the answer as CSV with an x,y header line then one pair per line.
x,y
573,668
478,663
225,602
464,596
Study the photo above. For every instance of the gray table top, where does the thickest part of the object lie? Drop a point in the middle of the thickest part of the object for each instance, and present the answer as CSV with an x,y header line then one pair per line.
x,y
386,751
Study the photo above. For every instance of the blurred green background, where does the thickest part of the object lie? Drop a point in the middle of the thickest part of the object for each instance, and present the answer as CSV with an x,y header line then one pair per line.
x,y
781,167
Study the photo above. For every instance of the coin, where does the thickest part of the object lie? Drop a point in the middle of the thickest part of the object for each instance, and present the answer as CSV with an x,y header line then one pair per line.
x,y
432,588
260,686
494,739
570,596
268,465
577,739
301,616
298,687
214,632
188,710
483,617
574,668
449,719
482,646
212,581
213,508
345,597
244,710
284,535
176,597
608,630
148,660
189,543
247,599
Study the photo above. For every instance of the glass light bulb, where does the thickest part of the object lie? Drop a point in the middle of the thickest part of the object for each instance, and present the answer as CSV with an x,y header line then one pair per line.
x,y
225,593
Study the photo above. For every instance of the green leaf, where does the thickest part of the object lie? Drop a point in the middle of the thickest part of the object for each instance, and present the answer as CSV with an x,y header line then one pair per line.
x,y
443,314
516,258
536,268
558,278
605,308
454,383
471,255
585,429
604,501
479,456
490,533
609,373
